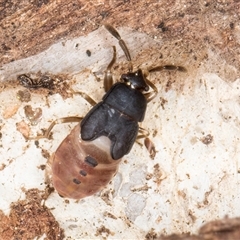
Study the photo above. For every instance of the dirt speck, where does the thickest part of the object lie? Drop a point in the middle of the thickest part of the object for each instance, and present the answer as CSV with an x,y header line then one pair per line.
x,y
151,235
207,139
23,128
109,215
104,232
10,111
158,174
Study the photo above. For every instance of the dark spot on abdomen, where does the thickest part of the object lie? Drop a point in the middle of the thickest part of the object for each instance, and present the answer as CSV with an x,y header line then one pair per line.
x,y
92,162
83,173
76,181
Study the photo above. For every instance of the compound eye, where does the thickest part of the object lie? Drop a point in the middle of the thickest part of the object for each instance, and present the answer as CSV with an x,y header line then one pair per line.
x,y
146,88
125,78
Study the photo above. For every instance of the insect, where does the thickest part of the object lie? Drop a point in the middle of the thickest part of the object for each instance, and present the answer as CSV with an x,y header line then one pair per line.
x,y
88,158
28,82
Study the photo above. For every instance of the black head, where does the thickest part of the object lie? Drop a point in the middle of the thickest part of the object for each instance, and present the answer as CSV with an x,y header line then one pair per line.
x,y
136,80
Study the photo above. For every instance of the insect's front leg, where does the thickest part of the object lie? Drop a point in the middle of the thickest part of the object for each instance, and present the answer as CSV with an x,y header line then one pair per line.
x,y
151,95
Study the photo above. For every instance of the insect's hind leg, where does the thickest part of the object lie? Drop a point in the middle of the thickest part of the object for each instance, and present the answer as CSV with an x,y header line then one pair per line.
x,y
143,133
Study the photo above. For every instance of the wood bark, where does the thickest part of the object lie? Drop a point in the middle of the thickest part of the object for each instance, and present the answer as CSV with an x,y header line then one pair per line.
x,y
29,27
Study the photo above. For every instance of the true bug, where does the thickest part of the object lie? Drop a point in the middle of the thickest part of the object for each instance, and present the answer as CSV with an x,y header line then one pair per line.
x,y
89,156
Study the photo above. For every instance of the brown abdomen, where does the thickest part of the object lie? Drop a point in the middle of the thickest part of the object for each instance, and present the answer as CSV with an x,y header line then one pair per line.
x,y
82,168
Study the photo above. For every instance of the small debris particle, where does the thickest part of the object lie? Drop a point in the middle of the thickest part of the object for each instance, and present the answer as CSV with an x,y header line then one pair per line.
x,y
10,111
45,154
150,147
158,220
23,128
88,52
182,194
33,115
2,166
42,167
149,176
24,95
162,27
151,235
162,102
231,25
110,215
104,232
168,85
46,81
36,143
48,190
206,195
207,139
192,216
158,174
106,196
141,188
154,134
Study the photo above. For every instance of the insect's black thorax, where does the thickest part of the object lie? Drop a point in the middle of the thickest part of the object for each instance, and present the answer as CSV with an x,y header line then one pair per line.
x,y
116,117
126,100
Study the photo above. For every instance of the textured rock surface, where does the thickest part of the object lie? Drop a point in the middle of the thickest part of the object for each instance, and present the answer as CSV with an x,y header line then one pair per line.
x,y
194,120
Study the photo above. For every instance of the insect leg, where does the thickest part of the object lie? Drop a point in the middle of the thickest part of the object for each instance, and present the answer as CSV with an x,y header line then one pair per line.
x,y
64,119
122,44
151,95
86,97
143,133
150,147
47,133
